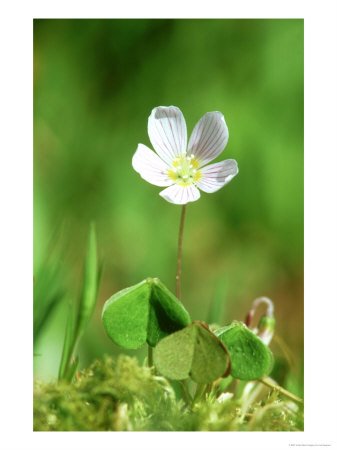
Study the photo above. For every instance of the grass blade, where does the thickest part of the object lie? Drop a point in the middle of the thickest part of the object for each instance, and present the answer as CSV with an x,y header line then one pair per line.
x,y
89,285
48,292
69,341
78,320
217,306
70,374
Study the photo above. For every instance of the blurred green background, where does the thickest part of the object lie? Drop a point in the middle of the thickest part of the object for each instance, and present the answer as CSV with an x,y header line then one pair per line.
x,y
95,84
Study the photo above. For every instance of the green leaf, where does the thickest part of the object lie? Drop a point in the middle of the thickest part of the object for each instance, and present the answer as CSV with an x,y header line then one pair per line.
x,y
250,357
217,306
48,292
69,339
78,319
194,351
70,374
125,315
166,313
89,286
49,281
146,312
99,276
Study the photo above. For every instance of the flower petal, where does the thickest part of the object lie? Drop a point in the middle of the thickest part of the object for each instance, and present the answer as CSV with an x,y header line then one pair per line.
x,y
180,195
217,175
167,132
209,137
150,166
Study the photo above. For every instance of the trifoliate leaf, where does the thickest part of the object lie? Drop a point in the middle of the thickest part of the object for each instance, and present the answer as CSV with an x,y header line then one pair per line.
x,y
250,357
194,351
146,312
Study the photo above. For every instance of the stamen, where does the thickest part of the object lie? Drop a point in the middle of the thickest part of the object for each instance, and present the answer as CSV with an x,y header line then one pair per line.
x,y
184,170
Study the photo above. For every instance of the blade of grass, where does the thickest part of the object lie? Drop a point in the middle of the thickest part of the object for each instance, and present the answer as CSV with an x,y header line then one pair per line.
x,y
70,374
217,306
69,341
99,276
48,291
78,320
49,286
89,285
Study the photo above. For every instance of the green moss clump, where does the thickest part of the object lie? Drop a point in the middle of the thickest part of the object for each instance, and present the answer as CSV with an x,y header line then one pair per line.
x,y
123,396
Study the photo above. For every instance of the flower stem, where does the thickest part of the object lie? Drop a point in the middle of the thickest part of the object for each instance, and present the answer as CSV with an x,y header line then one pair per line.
x,y
269,382
185,392
180,244
200,390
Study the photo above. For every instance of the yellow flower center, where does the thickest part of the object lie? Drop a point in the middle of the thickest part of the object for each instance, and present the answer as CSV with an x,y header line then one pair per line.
x,y
185,170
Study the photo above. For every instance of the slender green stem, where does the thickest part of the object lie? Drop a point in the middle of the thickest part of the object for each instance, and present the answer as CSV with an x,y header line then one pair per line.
x,y
209,388
269,382
236,388
200,390
180,245
186,394
149,356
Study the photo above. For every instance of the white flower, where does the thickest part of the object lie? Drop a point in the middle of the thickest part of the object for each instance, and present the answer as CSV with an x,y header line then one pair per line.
x,y
181,167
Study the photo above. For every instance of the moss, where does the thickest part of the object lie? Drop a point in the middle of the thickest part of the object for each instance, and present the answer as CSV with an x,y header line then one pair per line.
x,y
123,396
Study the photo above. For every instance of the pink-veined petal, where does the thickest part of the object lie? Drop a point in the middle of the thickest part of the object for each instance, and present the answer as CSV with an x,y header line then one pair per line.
x,y
217,175
209,137
167,132
150,166
180,195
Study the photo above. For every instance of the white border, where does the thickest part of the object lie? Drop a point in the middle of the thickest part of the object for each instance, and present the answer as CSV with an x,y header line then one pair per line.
x,y
320,223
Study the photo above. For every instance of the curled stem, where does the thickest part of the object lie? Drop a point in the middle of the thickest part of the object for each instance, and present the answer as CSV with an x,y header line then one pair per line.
x,y
256,303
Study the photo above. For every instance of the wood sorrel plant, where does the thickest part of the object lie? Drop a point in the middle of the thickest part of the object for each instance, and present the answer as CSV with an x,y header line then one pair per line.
x,y
148,312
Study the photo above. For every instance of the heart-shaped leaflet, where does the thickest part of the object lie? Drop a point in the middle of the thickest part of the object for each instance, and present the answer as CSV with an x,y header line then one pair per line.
x,y
194,351
146,312
250,357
